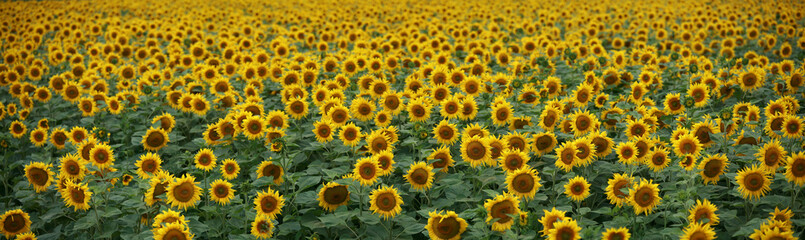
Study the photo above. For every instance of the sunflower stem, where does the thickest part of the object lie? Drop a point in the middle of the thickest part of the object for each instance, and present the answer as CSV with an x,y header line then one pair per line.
x,y
794,193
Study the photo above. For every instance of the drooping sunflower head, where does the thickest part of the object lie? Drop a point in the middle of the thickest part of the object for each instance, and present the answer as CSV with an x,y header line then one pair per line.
x,y
333,195
269,169
616,186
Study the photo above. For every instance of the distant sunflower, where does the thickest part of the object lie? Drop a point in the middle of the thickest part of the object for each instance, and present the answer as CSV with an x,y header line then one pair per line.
x,y
445,226
155,139
637,128
26,236
366,171
584,151
603,144
550,218
269,203
339,115
499,209
713,167
253,127
333,195
205,159
582,122
771,156
512,160
567,229
502,113
39,175
784,215
262,227
700,94
445,132
751,79
350,134
703,210
173,231
475,150
166,121
577,188
627,153
673,104
795,168
184,192
753,182
148,165
230,169
566,156
268,168
523,182
542,143
657,159
418,110
378,142
616,186
15,222
221,191
277,119
297,108
362,109
621,233
420,176
644,197
469,108
168,216
442,158
76,195
323,130
792,127
17,129
385,201
58,137
549,117
72,167
158,185
698,231
450,107
39,137
687,144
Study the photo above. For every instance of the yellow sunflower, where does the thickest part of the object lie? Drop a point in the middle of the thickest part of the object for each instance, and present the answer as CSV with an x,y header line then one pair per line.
x,y
621,233
297,108
205,159
698,231
323,130
771,156
253,127
102,156
577,188
753,182
39,175
350,134
703,210
277,119
687,144
512,160
442,157
795,168
168,216
523,182
76,195
475,150
615,187
269,203
567,229
418,110
155,139
550,218
378,142
148,165
542,143
72,167
784,215
366,171
567,156
582,122
498,210
385,162
751,79
17,129
450,107
673,104
362,109
58,137
262,227
445,226
502,113
184,192
221,191
173,231
268,168
333,195
420,176
549,117
713,166
39,137
792,127
385,201
166,122
339,115
644,197
15,222
230,169
445,132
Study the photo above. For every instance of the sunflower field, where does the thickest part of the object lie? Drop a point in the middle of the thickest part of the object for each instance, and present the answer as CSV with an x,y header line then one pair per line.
x,y
415,119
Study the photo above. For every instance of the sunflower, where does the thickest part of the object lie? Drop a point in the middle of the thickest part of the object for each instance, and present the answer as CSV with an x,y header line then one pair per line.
x,y
420,176
627,153
418,110
698,231
582,95
269,169
549,117
475,150
378,142
700,94
567,156
753,182
703,130
450,107
523,182
333,195
512,160
262,227
221,191
712,167
205,159
792,127
621,233
173,231
469,108
516,141
15,222
795,168
784,215
166,122
567,229
577,188
39,175
72,167
442,157
76,195
362,109
277,119
386,202
339,115
751,79
703,210
230,169
17,129
157,186
58,137
543,143
550,218
499,209
445,132
323,130
366,171
253,127
687,144
473,129
269,203
584,151
184,192
350,134
39,137
445,226
582,122
297,108
657,159
644,197
148,165
637,128
673,104
26,236
615,187
502,113
168,216
155,139
392,102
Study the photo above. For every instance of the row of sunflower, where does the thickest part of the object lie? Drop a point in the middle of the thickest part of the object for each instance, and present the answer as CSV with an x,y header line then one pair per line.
x,y
354,119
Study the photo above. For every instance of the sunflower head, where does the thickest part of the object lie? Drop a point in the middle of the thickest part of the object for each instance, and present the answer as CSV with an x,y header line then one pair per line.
x,y
155,139
269,169
386,202
39,175
498,210
523,182
221,191
269,203
184,192
205,159
333,195
14,222
753,182
445,225
420,176
366,171
644,197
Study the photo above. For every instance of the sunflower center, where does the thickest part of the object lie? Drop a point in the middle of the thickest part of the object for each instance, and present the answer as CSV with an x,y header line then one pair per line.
x,y
184,192
419,176
149,166
567,156
446,132
699,235
14,223
627,153
379,144
155,139
523,183
644,197
72,168
798,168
476,150
38,176
442,161
268,204
419,111
367,171
566,234
324,131
772,158
754,181
221,191
77,195
616,189
792,127
658,160
272,170
549,120
543,142
386,201
336,195
446,228
364,110
230,168
501,210
513,162
174,234
349,134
